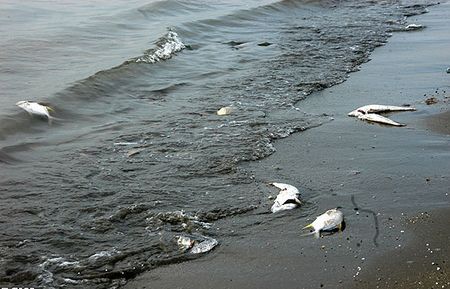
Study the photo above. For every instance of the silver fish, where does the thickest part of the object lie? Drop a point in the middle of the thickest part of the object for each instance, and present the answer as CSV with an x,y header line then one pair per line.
x,y
35,108
369,113
204,246
287,199
328,221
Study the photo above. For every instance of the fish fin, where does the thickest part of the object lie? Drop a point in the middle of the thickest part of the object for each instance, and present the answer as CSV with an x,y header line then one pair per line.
x,y
315,233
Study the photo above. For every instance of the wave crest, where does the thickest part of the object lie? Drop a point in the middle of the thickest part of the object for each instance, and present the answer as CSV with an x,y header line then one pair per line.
x,y
165,48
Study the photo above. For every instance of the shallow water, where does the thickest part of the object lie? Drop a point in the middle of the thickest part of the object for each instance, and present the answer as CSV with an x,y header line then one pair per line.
x,y
138,156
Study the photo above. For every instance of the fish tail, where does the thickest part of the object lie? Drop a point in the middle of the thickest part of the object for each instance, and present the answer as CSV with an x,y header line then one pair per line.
x,y
310,233
308,226
51,119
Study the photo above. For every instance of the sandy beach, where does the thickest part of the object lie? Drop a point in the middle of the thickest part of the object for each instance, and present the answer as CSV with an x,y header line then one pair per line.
x,y
392,183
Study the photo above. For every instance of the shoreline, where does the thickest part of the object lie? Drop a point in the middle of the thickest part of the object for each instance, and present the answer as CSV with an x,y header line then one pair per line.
x,y
398,178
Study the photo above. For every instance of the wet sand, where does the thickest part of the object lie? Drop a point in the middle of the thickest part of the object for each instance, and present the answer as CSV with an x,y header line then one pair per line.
x,y
439,123
393,184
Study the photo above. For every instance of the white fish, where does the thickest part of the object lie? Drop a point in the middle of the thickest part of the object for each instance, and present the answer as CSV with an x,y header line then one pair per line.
x,y
204,246
225,110
414,26
35,108
287,199
369,113
373,117
196,247
328,221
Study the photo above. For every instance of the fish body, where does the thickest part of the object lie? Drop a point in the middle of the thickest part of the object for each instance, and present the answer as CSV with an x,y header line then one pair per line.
x,y
328,221
287,199
414,27
369,113
204,246
373,117
194,246
225,110
35,108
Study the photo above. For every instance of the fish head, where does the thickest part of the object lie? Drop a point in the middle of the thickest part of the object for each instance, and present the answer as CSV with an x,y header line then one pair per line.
x,y
185,242
356,113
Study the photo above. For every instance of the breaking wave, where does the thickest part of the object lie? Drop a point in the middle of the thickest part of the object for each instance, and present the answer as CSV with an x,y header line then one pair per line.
x,y
166,47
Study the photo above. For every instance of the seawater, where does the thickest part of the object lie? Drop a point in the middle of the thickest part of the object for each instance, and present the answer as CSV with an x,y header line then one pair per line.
x,y
138,157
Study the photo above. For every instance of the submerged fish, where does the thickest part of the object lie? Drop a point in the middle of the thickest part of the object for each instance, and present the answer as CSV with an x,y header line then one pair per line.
x,y
35,108
287,199
225,110
330,220
369,113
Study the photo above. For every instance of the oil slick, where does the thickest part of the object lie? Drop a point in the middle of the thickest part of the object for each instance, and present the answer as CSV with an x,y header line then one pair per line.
x,y
36,108
329,221
370,113
287,199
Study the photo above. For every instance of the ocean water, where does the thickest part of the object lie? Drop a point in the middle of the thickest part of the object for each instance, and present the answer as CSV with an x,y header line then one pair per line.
x,y
137,158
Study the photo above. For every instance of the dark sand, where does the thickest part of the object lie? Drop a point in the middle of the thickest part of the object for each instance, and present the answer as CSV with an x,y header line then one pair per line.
x,y
398,178
439,123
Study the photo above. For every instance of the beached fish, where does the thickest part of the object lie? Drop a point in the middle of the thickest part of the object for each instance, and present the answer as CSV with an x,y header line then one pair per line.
x,y
330,220
369,113
414,27
204,246
35,108
287,199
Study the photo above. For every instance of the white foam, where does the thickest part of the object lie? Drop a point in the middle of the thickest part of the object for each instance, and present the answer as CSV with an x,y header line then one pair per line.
x,y
103,254
165,49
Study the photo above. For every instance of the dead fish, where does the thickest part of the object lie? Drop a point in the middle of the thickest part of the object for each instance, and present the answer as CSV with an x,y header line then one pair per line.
x,y
195,246
330,220
373,117
225,110
204,246
413,26
369,113
36,108
287,199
